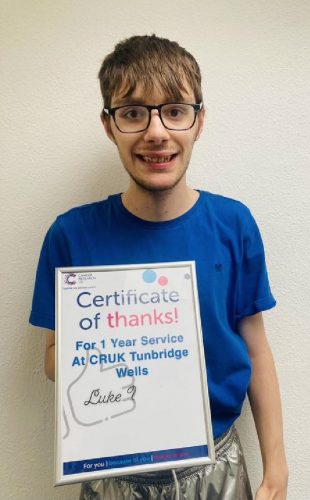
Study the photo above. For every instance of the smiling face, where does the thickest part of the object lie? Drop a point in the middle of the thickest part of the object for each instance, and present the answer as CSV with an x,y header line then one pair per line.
x,y
157,158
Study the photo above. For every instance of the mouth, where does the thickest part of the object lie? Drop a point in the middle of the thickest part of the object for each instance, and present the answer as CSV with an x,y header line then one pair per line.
x,y
156,159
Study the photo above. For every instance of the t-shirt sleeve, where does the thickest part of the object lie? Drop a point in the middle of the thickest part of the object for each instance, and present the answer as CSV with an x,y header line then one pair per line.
x,y
253,290
54,253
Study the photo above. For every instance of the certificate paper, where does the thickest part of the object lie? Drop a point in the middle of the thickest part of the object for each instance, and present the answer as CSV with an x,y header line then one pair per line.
x,y
131,387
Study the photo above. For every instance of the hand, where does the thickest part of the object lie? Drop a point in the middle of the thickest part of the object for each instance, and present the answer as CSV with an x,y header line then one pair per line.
x,y
273,491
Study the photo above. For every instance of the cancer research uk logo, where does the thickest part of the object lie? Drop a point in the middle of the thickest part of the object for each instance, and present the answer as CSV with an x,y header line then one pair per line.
x,y
73,279
70,279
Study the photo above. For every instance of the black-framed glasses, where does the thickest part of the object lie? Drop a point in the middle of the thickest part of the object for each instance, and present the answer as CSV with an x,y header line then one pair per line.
x,y
134,118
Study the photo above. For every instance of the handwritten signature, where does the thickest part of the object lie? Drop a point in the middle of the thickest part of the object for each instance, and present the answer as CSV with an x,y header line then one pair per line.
x,y
98,398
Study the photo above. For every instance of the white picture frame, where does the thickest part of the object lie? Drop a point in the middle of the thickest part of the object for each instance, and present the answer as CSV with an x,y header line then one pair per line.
x,y
131,381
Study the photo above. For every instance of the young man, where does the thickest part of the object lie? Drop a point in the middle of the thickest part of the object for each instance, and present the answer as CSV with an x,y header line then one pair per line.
x,y
153,113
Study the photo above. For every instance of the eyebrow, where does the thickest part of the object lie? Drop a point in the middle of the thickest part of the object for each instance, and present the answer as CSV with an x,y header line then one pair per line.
x,y
127,101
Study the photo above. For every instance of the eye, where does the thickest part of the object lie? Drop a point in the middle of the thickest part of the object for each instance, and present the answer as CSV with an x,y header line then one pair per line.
x,y
175,111
131,113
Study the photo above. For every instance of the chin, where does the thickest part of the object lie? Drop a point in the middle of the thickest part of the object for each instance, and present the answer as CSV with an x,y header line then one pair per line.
x,y
156,186
158,182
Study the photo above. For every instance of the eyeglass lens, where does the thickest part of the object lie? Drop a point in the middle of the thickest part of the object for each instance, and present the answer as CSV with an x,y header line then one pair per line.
x,y
136,118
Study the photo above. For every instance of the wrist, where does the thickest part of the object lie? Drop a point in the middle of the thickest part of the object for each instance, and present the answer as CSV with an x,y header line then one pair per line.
x,y
276,476
274,458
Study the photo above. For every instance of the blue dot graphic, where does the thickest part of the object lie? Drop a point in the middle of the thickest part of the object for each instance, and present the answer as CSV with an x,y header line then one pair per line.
x,y
149,276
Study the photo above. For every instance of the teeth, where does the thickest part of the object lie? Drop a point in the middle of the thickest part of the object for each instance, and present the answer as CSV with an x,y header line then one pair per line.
x,y
163,159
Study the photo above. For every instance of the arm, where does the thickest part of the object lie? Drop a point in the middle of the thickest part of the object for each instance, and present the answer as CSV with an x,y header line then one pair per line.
x,y
264,397
49,359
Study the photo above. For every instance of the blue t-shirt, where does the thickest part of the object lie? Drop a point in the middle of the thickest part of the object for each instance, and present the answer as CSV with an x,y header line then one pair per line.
x,y
218,233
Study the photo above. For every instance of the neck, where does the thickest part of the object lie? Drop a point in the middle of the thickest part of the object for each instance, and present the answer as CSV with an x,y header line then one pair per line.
x,y
159,205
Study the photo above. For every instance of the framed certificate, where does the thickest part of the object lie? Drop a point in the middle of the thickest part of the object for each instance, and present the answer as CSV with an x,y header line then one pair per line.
x,y
131,385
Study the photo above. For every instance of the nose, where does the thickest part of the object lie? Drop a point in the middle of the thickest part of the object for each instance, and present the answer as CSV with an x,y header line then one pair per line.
x,y
156,132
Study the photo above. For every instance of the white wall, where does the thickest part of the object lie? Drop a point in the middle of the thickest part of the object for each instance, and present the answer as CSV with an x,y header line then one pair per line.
x,y
253,57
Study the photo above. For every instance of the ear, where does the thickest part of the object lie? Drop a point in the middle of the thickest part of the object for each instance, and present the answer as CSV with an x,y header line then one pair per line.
x,y
106,122
201,121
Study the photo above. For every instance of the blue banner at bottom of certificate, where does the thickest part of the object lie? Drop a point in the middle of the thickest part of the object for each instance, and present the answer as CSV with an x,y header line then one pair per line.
x,y
135,459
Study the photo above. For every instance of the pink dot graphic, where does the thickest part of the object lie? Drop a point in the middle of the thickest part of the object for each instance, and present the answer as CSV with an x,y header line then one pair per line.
x,y
162,280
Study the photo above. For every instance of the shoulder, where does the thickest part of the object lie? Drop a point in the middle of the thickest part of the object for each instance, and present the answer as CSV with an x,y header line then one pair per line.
x,y
227,210
86,214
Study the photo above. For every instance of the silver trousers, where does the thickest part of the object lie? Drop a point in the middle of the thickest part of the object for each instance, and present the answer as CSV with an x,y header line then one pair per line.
x,y
227,479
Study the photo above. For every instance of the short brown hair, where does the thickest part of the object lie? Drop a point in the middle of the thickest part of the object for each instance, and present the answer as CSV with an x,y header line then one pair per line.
x,y
149,60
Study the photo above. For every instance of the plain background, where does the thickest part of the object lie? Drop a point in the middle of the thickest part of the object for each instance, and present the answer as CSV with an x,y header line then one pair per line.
x,y
255,147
